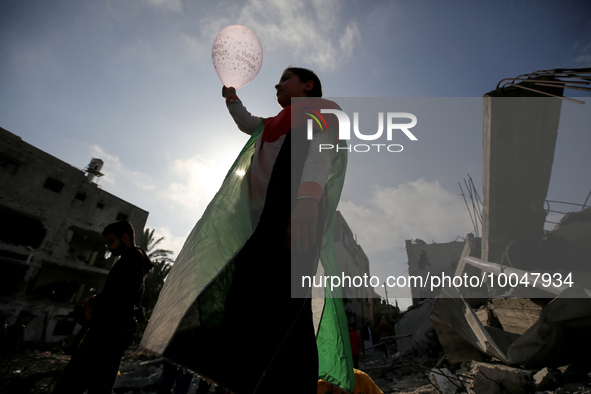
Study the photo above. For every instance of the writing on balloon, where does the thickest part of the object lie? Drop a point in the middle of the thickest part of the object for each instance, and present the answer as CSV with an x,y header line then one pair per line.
x,y
247,59
219,51
250,56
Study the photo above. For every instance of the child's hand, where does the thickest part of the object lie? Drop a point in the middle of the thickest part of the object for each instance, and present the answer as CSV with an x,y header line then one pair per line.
x,y
228,92
302,225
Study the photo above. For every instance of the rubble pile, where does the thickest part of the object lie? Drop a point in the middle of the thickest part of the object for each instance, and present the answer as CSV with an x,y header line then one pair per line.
x,y
423,374
426,369
32,371
395,375
442,346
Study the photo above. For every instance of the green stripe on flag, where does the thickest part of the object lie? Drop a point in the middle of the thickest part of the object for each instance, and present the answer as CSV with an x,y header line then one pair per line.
x,y
332,339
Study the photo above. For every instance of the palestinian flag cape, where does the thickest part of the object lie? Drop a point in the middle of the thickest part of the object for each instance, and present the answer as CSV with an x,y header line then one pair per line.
x,y
189,324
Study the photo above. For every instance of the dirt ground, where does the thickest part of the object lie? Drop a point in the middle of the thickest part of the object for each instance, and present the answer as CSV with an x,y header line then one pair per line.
x,y
35,370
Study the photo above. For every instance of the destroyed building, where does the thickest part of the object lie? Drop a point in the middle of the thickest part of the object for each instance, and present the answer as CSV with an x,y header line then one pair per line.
x,y
362,304
52,253
527,322
426,258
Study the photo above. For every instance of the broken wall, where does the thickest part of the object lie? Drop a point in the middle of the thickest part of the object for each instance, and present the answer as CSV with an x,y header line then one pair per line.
x,y
353,262
519,137
431,259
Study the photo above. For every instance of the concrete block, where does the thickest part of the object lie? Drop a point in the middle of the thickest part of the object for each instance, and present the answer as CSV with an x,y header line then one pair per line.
x,y
497,378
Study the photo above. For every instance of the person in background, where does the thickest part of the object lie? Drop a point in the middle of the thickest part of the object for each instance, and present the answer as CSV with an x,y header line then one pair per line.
x,y
367,339
110,317
355,340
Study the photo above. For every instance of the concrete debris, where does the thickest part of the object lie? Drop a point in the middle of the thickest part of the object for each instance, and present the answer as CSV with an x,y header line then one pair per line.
x,y
461,333
450,350
543,378
569,243
559,334
499,379
414,324
515,315
445,381
138,378
554,339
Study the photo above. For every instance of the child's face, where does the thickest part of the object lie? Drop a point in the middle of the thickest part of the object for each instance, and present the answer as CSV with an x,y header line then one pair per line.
x,y
290,85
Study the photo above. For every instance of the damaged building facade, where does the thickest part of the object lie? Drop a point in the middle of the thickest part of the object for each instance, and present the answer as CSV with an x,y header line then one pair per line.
x,y
520,129
426,258
52,253
362,304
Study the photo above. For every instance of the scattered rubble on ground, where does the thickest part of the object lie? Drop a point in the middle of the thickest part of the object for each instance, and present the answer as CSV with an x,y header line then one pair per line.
x,y
454,349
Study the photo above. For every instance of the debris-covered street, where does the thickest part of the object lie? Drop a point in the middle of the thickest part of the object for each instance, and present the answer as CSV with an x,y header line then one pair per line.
x,y
424,369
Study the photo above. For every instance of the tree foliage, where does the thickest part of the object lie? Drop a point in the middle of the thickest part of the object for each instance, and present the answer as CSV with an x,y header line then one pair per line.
x,y
162,261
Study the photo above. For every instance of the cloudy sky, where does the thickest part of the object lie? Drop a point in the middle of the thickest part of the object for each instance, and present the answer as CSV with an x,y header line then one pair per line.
x,y
132,83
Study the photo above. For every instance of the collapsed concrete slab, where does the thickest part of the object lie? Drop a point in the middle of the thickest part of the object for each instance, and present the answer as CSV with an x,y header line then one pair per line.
x,y
462,335
554,339
514,315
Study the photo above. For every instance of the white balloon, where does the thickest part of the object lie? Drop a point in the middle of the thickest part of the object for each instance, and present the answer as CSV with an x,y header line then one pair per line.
x,y
237,55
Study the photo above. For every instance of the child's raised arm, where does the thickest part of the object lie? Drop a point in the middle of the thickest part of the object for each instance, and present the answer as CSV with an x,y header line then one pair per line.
x,y
245,121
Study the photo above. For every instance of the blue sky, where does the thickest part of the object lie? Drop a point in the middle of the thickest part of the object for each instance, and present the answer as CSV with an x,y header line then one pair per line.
x,y
133,84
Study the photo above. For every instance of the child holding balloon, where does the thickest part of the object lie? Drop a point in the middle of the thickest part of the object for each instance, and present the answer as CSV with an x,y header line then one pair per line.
x,y
286,179
248,330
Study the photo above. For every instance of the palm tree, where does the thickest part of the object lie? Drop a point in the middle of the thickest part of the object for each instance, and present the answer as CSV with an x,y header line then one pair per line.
x,y
149,243
155,277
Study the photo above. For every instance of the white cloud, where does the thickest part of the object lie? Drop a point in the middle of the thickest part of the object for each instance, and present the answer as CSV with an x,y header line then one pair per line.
x,y
120,178
182,194
349,39
418,209
310,30
170,241
189,185
192,179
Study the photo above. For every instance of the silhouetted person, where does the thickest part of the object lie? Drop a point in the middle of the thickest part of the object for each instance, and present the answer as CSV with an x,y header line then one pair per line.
x,y
111,317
